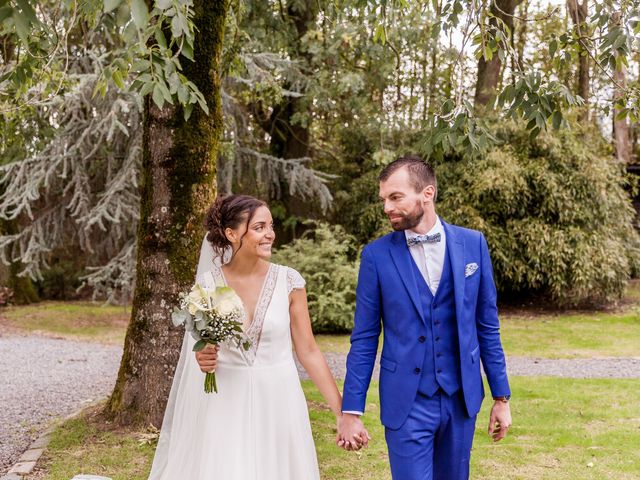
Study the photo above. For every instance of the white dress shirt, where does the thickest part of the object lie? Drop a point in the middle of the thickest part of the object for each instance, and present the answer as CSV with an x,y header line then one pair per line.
x,y
429,257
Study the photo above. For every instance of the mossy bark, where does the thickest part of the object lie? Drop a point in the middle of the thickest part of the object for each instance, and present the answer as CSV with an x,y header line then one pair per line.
x,y
178,186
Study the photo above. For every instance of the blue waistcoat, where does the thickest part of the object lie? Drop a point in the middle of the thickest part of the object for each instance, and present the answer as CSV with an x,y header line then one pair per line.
x,y
441,367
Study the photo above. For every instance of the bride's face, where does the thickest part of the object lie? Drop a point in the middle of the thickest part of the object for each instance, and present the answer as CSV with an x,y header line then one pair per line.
x,y
257,237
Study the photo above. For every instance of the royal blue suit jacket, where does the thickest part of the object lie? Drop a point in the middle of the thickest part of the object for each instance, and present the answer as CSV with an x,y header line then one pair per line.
x,y
387,298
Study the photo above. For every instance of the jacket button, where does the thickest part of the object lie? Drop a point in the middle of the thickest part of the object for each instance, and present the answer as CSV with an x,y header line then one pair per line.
x,y
422,339
437,339
438,354
439,370
437,322
416,370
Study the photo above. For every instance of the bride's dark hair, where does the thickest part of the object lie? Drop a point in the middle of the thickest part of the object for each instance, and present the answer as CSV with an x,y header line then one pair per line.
x,y
229,212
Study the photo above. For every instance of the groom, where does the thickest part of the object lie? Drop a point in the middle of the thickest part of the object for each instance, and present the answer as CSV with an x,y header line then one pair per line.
x,y
430,286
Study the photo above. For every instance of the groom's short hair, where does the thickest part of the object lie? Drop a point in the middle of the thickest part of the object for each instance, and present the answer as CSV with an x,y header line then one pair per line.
x,y
421,174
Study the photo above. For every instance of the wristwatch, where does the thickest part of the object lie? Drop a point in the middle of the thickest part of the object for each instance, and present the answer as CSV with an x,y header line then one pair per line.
x,y
503,399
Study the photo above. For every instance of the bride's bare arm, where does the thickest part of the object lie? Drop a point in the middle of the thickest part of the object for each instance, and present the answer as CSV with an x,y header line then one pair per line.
x,y
309,353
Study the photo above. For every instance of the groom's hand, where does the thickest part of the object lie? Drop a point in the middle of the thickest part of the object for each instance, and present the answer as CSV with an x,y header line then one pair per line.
x,y
351,432
499,420
207,358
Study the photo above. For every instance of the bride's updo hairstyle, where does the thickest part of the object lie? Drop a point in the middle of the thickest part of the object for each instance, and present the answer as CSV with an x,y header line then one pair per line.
x,y
229,212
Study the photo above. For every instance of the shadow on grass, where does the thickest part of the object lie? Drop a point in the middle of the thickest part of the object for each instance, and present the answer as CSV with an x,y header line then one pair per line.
x,y
563,429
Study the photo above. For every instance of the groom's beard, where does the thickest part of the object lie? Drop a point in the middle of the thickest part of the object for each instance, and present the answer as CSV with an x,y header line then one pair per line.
x,y
409,220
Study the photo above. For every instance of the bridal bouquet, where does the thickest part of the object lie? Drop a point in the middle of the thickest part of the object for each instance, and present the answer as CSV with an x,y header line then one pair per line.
x,y
211,315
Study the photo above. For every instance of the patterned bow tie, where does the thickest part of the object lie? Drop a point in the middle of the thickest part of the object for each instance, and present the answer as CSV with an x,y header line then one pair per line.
x,y
435,238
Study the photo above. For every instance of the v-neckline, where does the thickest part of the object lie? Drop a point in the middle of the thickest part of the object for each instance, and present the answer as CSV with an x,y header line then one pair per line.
x,y
258,299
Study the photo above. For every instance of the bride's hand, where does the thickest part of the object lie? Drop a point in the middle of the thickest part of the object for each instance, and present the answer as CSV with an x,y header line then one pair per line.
x,y
351,432
207,358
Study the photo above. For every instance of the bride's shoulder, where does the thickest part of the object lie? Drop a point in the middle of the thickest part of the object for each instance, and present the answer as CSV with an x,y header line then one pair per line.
x,y
295,281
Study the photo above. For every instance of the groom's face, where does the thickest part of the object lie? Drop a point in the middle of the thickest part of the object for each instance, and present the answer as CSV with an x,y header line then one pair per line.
x,y
402,204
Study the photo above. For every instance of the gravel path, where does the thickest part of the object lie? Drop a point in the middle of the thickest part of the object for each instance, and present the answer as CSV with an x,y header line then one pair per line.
x,y
527,366
42,379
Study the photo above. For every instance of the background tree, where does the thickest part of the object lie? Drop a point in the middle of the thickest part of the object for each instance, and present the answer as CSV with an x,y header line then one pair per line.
x,y
578,13
490,66
177,187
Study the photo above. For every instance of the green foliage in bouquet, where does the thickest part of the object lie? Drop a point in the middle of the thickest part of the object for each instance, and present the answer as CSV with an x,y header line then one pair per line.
x,y
327,259
555,211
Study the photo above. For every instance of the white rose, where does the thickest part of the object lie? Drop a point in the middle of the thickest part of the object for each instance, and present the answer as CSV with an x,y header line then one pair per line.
x,y
227,302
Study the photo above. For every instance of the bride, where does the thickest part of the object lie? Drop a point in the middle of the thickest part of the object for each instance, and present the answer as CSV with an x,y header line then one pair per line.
x,y
257,426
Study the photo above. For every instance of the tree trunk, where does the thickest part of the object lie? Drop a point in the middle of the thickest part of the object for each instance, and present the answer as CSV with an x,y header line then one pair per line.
x,y
289,139
178,186
489,71
578,13
621,141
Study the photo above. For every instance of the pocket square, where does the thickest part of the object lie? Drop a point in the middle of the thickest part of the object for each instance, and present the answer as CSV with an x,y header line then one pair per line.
x,y
470,269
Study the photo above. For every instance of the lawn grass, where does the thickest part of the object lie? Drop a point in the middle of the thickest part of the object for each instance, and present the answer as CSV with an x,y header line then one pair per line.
x,y
71,320
90,445
563,429
525,332
574,335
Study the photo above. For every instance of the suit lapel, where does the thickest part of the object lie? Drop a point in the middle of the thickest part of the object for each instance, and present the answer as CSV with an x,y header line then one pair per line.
x,y
455,244
402,260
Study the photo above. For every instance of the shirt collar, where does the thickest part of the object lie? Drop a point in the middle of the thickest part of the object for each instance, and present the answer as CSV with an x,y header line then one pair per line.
x,y
437,228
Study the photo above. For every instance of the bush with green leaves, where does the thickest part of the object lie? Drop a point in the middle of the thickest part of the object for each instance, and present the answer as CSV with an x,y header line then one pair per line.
x,y
555,211
326,256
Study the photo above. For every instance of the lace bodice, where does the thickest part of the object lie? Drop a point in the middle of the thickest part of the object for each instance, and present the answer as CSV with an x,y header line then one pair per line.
x,y
271,315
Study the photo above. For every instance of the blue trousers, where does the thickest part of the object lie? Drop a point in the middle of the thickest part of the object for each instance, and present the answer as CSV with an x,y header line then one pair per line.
x,y
435,440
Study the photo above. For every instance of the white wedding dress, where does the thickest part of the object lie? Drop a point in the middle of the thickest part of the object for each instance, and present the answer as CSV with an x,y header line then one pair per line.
x,y
257,426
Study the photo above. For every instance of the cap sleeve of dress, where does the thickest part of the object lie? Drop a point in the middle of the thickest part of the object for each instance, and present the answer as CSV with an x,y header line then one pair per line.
x,y
294,280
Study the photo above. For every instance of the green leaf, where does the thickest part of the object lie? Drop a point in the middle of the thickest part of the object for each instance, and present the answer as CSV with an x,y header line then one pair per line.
x,y
118,80
178,26
187,109
141,65
380,35
163,4
187,50
556,119
5,12
22,27
183,94
534,133
27,11
157,96
622,114
165,91
140,13
435,31
200,344
146,88
160,38
110,5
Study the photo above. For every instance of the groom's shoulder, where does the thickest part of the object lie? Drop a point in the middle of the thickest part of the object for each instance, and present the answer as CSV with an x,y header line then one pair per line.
x,y
465,232
380,243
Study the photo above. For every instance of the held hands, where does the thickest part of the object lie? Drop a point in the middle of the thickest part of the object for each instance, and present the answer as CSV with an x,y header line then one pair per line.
x,y
499,420
207,358
351,432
